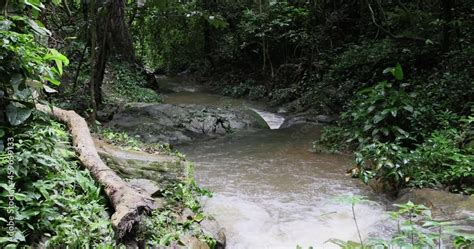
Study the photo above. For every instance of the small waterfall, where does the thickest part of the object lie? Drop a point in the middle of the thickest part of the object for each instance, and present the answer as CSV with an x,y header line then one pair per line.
x,y
273,120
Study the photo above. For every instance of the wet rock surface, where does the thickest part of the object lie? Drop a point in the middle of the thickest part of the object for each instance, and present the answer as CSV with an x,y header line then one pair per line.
x,y
176,124
307,117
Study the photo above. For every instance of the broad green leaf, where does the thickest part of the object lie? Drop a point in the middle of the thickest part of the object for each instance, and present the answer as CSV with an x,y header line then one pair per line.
x,y
35,4
58,58
15,81
17,115
370,109
398,72
38,29
378,118
408,108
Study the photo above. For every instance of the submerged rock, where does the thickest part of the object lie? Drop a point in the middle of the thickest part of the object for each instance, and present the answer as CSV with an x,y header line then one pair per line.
x,y
176,124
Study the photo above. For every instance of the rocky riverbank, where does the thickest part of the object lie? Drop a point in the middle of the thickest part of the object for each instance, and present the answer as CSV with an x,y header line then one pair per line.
x,y
156,175
176,124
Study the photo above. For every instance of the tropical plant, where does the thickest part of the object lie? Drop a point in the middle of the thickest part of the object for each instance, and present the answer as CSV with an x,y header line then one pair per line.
x,y
28,66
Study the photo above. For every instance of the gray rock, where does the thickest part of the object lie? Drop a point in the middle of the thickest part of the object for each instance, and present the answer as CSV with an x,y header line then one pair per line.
x,y
211,228
444,205
325,119
177,124
161,169
441,202
191,242
146,186
307,117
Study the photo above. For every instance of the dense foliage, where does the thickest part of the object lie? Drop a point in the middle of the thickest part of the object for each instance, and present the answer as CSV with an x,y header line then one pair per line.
x,y
402,140
56,203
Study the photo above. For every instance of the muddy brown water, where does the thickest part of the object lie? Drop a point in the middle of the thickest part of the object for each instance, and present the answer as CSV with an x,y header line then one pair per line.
x,y
270,191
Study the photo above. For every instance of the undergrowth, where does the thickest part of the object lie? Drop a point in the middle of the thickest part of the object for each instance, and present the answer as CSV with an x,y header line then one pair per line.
x,y
416,228
402,140
124,84
56,203
128,142
178,219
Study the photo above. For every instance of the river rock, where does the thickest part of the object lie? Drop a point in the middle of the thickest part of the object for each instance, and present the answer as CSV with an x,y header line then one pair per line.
x,y
211,228
307,117
160,169
176,124
191,242
443,204
144,186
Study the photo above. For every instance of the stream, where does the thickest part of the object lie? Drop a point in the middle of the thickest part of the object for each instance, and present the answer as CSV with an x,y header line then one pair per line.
x,y
269,190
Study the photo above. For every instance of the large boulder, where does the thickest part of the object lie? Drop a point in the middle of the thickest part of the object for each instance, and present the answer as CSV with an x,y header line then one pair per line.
x,y
177,124
138,165
444,206
307,117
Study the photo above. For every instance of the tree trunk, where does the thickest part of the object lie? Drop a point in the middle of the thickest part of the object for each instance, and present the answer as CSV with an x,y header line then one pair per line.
x,y
92,15
121,39
128,203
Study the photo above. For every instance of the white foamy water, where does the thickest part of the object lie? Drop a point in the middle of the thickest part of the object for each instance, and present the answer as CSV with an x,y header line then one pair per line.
x,y
270,192
273,120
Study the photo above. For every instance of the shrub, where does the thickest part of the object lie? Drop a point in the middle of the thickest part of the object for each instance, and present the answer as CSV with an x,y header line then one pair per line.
x,y
257,92
127,85
403,140
440,160
380,113
282,95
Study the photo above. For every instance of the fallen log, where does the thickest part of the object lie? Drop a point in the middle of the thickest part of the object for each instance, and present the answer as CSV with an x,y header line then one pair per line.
x,y
128,203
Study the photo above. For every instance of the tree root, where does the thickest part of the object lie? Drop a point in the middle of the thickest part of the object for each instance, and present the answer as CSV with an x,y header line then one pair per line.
x,y
128,203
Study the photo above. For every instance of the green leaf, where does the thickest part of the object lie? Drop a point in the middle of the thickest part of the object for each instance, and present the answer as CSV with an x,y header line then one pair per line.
x,y
15,81
408,108
370,109
35,25
199,217
35,4
378,118
368,127
58,58
398,72
17,115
